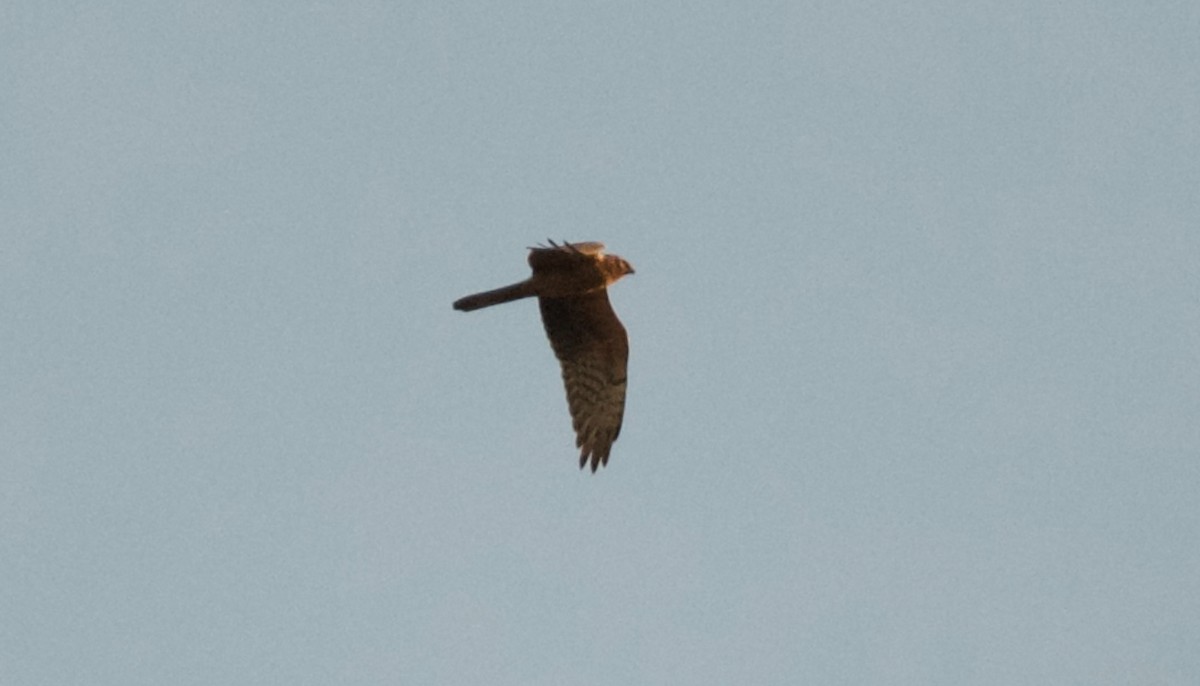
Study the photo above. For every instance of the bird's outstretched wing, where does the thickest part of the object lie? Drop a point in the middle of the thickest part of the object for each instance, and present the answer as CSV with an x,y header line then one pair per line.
x,y
564,255
593,350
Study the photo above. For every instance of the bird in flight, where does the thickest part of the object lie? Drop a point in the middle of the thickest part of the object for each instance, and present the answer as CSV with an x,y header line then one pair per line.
x,y
571,281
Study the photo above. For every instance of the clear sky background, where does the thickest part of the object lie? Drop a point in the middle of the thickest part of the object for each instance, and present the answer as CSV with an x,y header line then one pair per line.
x,y
914,387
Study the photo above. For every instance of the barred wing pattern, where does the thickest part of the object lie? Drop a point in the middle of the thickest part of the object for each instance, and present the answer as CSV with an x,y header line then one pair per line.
x,y
593,350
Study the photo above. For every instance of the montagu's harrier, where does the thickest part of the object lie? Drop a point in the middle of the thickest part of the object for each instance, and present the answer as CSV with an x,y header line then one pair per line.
x,y
571,282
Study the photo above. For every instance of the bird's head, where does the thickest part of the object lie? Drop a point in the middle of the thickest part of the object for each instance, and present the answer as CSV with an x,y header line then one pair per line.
x,y
615,267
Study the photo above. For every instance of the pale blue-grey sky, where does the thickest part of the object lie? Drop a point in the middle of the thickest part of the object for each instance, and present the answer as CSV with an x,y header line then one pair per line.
x,y
915,374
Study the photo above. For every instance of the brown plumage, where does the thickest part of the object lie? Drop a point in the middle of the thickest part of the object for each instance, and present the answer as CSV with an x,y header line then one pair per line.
x,y
570,282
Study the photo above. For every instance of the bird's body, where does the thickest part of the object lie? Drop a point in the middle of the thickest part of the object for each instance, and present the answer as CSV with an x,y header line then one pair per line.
x,y
570,282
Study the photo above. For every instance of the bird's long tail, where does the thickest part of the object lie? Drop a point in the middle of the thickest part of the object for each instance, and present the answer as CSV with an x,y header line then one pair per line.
x,y
524,289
